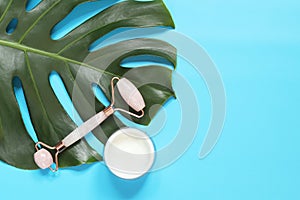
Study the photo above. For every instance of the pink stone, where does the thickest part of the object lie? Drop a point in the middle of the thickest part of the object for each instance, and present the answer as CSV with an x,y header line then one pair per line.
x,y
131,94
43,158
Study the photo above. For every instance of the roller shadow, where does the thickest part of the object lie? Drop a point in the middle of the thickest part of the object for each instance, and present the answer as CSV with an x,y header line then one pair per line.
x,y
78,169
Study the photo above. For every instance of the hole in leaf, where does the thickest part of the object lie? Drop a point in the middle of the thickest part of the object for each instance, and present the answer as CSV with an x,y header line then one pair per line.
x,y
100,95
31,4
64,99
11,27
122,34
21,100
79,15
146,60
97,44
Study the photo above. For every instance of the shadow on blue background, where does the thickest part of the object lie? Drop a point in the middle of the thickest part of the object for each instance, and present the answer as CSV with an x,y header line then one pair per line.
x,y
256,47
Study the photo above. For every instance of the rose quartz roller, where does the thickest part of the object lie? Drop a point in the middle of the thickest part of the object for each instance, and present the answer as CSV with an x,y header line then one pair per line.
x,y
131,96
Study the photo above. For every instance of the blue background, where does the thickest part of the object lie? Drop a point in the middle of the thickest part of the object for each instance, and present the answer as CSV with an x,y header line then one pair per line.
x,y
256,47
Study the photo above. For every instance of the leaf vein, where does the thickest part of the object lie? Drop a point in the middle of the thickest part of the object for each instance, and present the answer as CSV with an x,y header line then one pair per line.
x,y
36,89
52,55
36,21
6,10
72,77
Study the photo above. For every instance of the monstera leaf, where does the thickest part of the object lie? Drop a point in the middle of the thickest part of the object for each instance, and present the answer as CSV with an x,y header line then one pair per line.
x,y
29,53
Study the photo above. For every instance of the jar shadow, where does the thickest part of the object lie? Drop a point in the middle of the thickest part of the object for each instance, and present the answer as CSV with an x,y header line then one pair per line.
x,y
127,188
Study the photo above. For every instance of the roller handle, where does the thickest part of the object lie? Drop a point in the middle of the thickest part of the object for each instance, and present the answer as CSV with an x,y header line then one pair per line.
x,y
84,129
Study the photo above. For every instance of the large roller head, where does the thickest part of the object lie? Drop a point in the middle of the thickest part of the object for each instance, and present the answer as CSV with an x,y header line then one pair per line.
x,y
131,94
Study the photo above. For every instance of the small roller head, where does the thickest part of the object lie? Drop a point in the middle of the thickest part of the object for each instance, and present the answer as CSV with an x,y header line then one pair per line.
x,y
131,94
43,158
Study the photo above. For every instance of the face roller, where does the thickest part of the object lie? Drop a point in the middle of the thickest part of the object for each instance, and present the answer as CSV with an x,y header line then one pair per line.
x,y
131,96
